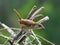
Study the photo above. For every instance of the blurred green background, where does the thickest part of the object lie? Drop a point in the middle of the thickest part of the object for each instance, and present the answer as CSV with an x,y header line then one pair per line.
x,y
52,9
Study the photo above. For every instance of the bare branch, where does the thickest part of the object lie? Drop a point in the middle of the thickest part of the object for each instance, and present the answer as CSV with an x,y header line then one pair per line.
x,y
27,41
8,29
43,19
17,29
7,38
36,12
1,35
32,11
20,39
45,40
37,16
35,37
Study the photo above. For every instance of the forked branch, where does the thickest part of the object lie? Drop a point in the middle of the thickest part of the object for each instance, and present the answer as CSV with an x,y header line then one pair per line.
x,y
31,12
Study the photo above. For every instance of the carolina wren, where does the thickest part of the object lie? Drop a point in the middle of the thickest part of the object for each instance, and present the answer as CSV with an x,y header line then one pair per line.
x,y
27,23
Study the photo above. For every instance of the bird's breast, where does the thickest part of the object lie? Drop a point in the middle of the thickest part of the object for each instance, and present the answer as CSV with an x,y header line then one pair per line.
x,y
27,22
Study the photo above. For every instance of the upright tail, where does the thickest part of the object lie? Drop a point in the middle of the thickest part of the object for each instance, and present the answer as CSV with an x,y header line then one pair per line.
x,y
17,13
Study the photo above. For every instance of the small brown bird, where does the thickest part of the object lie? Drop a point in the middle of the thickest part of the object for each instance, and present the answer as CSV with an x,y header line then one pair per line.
x,y
28,23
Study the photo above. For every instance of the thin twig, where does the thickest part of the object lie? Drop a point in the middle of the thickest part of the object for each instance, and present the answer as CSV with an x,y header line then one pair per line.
x,y
37,16
19,39
37,11
43,19
8,39
1,35
34,36
17,29
32,11
27,41
8,29
45,40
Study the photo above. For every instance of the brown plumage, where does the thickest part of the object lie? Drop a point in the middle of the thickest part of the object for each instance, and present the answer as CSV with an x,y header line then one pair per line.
x,y
27,23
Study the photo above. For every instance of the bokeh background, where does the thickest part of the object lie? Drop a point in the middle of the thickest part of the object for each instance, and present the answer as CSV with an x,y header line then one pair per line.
x,y
52,9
